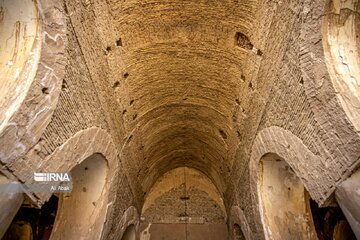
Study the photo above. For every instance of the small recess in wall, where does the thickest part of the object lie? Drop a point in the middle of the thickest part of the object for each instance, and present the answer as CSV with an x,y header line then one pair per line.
x,y
45,90
238,135
259,52
64,85
223,134
107,50
184,198
119,42
242,77
116,84
243,41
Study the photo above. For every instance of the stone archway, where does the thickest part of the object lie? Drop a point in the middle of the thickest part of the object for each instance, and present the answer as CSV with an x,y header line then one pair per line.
x,y
19,56
238,225
91,149
307,166
183,204
341,42
129,218
279,161
130,233
80,213
292,154
236,233
330,78
285,207
32,43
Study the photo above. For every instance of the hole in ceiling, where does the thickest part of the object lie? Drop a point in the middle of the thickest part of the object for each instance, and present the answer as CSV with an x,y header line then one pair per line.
x,y
242,77
45,90
183,198
243,41
259,52
238,135
223,134
107,50
301,81
116,84
119,42
64,85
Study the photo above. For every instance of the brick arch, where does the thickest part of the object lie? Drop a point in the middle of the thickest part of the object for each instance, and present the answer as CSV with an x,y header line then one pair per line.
x,y
316,64
342,53
130,217
306,165
33,113
237,217
339,134
78,148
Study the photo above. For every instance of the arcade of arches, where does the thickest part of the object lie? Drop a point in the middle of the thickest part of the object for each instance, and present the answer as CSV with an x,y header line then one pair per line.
x,y
181,119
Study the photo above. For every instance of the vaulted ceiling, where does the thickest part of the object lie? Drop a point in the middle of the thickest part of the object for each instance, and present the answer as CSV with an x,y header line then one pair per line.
x,y
183,78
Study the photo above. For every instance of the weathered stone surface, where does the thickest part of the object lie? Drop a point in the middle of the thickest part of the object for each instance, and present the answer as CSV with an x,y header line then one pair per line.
x,y
211,85
348,197
10,203
183,195
27,121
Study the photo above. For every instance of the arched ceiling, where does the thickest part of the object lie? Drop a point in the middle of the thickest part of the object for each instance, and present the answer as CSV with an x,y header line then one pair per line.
x,y
188,190
183,79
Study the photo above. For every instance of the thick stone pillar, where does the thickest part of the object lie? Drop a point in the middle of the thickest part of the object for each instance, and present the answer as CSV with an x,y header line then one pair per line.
x,y
10,203
348,197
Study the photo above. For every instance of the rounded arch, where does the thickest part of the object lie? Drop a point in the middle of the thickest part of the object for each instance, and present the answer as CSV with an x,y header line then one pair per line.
x,y
20,53
273,144
183,203
237,218
73,156
341,43
305,165
130,233
283,201
80,213
129,218
236,233
318,72
37,66
184,185
79,147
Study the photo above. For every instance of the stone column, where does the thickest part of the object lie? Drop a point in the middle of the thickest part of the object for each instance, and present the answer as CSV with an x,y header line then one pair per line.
x,y
348,197
10,203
